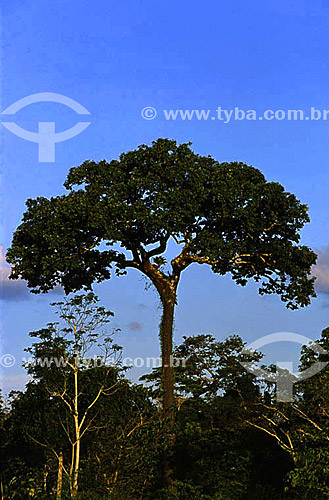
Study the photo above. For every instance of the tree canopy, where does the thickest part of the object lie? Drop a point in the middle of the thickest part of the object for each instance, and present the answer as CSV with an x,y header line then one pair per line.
x,y
122,213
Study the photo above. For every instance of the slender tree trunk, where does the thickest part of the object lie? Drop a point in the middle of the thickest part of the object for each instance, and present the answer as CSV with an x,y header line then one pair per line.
x,y
74,492
60,477
72,466
76,466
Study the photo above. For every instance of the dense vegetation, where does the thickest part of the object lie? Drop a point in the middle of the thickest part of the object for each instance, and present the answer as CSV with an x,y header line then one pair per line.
x,y
232,439
206,429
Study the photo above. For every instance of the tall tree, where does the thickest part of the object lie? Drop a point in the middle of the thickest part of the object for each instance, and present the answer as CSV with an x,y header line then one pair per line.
x,y
60,361
123,214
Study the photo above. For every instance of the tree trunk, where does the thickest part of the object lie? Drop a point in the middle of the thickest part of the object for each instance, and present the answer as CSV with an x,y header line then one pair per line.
x,y
166,287
74,492
60,477
166,334
166,338
76,467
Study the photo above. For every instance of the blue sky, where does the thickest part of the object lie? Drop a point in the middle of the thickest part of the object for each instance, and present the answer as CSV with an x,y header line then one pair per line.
x,y
115,59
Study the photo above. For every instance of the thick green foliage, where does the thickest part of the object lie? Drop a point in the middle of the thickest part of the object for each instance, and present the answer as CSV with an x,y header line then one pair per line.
x,y
223,214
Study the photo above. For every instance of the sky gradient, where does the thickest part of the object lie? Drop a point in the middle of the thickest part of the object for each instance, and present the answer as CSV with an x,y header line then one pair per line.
x,y
116,59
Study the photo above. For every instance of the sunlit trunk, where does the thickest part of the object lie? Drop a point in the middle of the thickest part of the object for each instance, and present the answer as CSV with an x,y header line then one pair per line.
x,y
74,492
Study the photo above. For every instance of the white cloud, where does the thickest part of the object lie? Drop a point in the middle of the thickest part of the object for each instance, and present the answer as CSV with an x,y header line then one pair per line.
x,y
13,383
16,289
10,289
321,271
